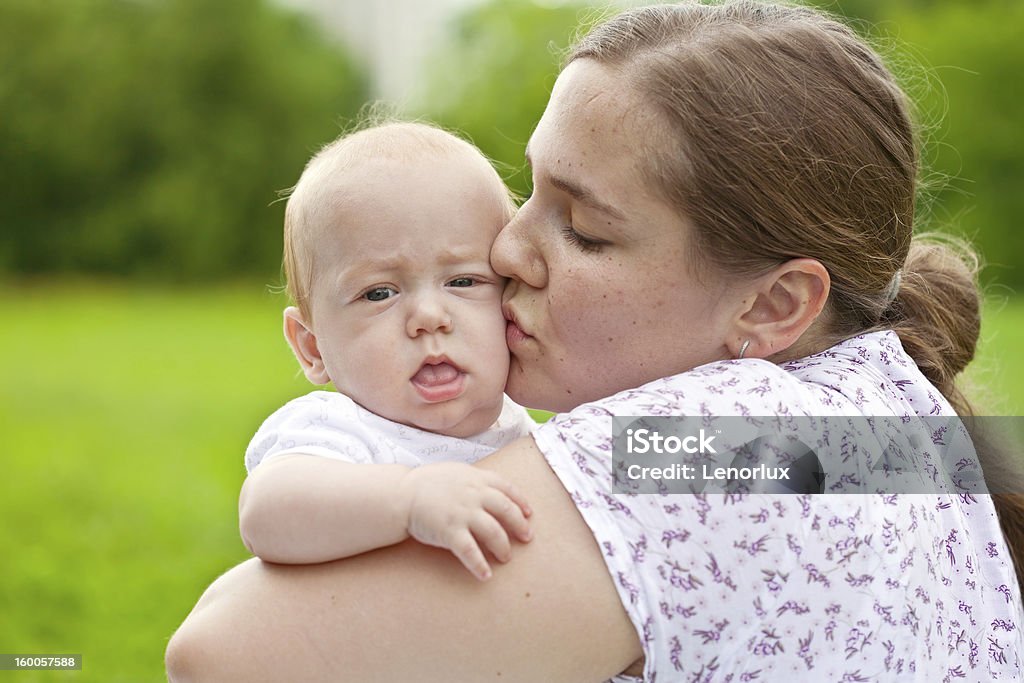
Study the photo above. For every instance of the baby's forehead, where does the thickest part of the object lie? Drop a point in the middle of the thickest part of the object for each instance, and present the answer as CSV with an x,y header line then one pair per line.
x,y
396,170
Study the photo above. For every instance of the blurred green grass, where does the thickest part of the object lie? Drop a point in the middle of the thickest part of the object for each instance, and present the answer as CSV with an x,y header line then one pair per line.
x,y
125,412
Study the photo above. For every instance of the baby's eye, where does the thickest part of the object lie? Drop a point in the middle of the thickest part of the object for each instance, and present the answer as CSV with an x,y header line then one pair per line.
x,y
380,293
462,282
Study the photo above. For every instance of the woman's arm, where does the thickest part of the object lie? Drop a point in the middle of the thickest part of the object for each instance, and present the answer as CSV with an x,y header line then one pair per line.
x,y
411,613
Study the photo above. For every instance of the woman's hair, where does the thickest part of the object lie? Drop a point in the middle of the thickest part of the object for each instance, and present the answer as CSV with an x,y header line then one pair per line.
x,y
786,136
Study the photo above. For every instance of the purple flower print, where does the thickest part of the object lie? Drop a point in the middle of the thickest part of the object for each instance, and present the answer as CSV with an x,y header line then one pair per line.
x,y
996,651
769,645
804,651
708,635
648,630
752,548
616,505
856,641
793,545
910,620
1002,624
706,673
670,535
885,611
907,561
814,575
631,588
762,388
675,652
792,606
684,580
858,581
638,550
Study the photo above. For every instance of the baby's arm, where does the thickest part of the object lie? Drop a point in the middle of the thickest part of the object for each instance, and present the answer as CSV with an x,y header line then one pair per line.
x,y
303,509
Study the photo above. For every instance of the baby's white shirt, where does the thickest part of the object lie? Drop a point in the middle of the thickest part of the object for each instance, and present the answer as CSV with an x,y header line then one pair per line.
x,y
331,425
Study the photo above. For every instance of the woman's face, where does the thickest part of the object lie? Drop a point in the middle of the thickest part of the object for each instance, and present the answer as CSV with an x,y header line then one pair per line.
x,y
601,298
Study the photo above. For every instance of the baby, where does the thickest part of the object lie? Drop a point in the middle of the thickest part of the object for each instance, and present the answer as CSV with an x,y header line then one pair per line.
x,y
387,241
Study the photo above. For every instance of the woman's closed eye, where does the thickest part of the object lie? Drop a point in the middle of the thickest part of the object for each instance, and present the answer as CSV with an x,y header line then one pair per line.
x,y
585,243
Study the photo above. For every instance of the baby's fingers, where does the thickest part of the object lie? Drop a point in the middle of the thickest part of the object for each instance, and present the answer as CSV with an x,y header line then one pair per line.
x,y
512,492
490,533
468,552
510,514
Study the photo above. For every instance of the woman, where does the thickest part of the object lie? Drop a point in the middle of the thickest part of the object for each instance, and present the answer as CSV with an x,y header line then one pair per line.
x,y
710,184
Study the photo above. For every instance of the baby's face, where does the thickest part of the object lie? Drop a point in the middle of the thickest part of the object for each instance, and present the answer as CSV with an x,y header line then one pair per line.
x,y
405,306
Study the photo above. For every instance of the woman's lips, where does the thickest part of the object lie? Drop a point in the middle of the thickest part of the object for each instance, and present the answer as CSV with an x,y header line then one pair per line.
x,y
439,381
514,335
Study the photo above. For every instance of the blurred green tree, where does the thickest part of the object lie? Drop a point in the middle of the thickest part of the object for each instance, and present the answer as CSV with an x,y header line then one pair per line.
x,y
972,55
957,60
150,137
492,78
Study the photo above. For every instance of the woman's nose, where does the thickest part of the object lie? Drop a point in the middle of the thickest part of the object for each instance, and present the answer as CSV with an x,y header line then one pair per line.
x,y
428,315
514,253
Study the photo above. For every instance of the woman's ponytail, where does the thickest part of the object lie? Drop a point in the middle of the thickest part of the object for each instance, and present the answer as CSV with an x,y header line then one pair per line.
x,y
937,314
937,311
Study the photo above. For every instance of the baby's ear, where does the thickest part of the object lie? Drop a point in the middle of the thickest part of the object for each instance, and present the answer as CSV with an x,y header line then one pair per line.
x,y
304,345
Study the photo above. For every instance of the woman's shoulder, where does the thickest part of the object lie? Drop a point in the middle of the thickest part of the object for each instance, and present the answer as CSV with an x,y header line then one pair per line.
x,y
867,374
870,374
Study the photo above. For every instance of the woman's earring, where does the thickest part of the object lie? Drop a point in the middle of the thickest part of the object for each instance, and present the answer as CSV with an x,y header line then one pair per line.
x,y
743,349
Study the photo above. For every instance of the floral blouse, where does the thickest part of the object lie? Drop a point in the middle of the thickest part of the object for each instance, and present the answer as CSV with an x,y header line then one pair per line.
x,y
771,587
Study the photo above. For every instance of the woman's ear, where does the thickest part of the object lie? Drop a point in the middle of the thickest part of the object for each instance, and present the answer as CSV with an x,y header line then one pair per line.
x,y
785,304
304,345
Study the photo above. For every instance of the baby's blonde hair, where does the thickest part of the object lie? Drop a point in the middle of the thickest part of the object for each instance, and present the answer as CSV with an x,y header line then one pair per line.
x,y
317,197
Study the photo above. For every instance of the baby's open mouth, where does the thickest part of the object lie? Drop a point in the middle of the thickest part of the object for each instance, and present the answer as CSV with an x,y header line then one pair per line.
x,y
438,381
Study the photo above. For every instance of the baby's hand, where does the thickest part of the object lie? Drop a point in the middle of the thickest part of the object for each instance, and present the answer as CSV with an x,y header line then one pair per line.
x,y
456,506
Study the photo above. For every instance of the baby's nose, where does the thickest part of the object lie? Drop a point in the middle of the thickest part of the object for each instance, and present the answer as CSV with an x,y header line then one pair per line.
x,y
427,316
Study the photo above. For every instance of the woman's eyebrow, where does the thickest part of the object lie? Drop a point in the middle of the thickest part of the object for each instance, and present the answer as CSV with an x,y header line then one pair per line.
x,y
580,193
585,196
